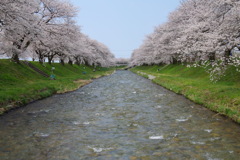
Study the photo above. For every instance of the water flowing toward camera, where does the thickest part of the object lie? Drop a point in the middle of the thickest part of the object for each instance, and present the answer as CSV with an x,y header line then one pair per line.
x,y
122,116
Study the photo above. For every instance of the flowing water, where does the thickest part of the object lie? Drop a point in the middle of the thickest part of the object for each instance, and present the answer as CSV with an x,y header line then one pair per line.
x,y
122,116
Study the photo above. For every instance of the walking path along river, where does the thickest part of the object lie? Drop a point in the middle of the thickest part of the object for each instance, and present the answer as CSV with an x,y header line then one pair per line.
x,y
122,116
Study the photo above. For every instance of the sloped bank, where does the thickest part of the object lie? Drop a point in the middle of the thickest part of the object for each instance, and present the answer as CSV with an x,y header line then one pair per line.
x,y
20,84
222,97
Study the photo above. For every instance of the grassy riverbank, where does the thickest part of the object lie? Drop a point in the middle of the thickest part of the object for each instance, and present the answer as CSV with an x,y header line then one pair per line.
x,y
222,97
19,84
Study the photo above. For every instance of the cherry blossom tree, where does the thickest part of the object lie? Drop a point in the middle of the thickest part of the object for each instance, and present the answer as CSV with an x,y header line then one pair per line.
x,y
46,29
17,24
198,31
121,61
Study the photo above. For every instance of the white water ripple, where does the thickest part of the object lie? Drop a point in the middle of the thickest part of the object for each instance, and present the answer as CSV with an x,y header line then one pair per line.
x,y
156,137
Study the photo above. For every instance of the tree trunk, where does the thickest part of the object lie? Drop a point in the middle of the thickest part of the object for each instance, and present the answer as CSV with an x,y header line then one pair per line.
x,y
227,53
87,63
174,60
212,56
50,60
15,58
70,62
62,61
77,62
40,61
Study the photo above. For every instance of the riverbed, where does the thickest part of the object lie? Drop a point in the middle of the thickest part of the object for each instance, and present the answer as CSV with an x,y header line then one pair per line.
x,y
122,116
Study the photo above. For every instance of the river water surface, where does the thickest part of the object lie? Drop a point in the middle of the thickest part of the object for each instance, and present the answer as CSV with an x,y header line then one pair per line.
x,y
122,116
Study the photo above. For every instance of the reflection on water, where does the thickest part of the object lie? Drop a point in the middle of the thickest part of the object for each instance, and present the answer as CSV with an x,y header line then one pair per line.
x,y
122,116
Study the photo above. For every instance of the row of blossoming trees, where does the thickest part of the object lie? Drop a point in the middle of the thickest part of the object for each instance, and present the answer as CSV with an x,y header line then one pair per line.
x,y
202,31
45,29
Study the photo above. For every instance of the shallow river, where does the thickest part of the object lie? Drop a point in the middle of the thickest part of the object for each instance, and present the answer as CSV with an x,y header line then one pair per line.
x,y
122,116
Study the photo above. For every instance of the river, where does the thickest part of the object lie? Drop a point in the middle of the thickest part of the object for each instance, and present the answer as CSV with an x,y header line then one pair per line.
x,y
122,116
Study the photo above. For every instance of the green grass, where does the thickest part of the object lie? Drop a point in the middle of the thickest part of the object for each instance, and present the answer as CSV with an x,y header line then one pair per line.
x,y
19,84
222,97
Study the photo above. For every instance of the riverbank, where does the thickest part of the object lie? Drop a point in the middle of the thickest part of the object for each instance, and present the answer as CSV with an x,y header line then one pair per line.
x,y
20,84
221,97
122,116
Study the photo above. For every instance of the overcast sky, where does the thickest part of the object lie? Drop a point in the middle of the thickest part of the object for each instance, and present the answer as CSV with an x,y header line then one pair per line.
x,y
122,24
